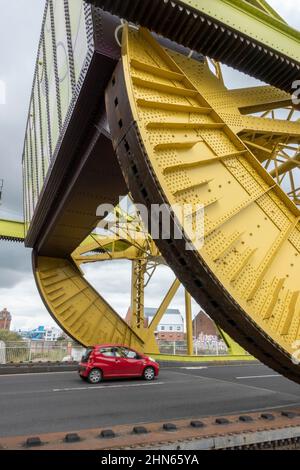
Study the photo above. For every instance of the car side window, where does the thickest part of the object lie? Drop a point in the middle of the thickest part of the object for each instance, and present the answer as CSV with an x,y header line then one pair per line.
x,y
107,352
118,352
132,354
129,354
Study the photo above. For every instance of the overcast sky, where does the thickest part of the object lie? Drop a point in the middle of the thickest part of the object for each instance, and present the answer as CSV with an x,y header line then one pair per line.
x,y
20,22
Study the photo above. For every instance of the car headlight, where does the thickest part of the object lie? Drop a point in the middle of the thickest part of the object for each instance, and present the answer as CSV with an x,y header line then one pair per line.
x,y
151,359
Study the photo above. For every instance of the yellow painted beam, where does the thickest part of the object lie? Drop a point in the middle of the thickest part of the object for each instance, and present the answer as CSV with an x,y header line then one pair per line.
x,y
189,323
242,16
11,230
234,349
289,165
138,294
267,8
289,131
256,99
163,307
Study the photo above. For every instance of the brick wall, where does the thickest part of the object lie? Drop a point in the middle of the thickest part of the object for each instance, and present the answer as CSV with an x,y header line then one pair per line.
x,y
203,324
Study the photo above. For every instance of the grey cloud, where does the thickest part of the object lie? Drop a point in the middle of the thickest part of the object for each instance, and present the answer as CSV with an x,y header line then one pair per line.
x,y
20,25
15,263
112,280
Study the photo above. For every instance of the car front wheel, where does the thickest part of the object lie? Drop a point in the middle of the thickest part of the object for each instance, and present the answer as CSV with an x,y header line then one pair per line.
x,y
95,376
149,374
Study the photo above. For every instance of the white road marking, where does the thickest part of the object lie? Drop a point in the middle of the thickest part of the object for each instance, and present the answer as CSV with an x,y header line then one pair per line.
x,y
76,389
224,381
167,368
194,368
258,376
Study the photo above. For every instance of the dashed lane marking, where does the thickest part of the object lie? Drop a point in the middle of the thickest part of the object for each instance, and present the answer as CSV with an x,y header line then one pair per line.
x,y
259,376
103,387
194,368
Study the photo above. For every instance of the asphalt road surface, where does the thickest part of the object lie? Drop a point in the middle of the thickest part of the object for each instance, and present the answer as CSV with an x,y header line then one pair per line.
x,y
53,402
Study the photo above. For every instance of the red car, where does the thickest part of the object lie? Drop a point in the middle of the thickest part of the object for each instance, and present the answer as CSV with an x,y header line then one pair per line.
x,y
110,361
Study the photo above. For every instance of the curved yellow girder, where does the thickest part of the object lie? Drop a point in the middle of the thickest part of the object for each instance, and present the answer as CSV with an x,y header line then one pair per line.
x,y
71,300
177,145
77,307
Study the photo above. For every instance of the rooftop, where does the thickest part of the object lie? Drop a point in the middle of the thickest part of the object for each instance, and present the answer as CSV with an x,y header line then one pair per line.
x,y
150,312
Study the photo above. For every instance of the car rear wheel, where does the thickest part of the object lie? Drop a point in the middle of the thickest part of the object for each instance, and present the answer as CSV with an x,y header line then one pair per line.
x,y
95,376
149,374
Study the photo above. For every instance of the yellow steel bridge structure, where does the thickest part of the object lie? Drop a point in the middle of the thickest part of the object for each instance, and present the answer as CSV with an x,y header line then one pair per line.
x,y
129,98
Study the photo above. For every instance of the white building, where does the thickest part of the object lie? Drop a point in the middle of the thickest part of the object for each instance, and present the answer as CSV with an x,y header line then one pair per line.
x,y
171,327
52,333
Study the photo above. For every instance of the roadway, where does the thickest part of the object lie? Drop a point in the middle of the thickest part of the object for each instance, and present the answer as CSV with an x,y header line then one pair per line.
x,y
58,402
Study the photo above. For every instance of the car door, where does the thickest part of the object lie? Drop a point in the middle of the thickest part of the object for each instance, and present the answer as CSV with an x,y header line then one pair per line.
x,y
132,364
107,361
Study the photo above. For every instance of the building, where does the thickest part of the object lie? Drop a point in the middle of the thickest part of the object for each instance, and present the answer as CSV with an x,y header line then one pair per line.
x,y
203,326
37,334
52,334
5,319
171,327
42,334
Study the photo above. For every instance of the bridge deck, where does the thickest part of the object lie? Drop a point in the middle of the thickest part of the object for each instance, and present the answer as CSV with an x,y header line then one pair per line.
x,y
11,230
236,33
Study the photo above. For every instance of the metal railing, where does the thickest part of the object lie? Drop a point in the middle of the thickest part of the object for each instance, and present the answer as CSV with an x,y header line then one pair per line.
x,y
60,351
202,347
36,351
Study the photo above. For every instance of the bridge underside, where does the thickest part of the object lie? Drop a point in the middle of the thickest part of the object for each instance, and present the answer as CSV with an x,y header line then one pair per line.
x,y
95,179
248,36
